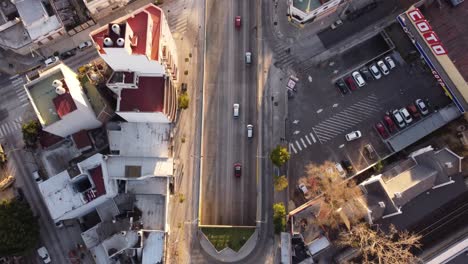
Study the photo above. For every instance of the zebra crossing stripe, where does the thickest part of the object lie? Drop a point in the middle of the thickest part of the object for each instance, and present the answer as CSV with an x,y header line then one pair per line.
x,y
19,119
4,131
298,146
16,125
303,143
14,76
312,136
308,140
291,146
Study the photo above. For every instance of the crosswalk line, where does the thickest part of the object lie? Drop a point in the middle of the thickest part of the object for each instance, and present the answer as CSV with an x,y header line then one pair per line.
x,y
308,140
298,146
303,143
313,138
291,146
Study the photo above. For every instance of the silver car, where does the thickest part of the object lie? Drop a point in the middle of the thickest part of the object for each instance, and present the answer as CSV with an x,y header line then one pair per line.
x,y
358,78
248,57
375,71
383,67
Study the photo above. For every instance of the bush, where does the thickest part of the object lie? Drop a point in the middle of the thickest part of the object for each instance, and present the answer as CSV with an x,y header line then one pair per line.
x,y
279,217
183,101
279,156
31,132
281,183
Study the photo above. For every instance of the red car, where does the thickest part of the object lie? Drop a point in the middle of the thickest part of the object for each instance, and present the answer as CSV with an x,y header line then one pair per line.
x,y
237,169
390,125
237,21
381,129
413,111
350,82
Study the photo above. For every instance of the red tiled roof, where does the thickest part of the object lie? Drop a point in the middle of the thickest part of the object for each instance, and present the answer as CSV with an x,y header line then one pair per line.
x,y
81,139
149,97
156,17
64,104
447,23
47,139
139,26
96,175
98,38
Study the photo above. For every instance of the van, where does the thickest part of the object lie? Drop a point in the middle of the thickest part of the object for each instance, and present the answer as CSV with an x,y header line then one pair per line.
x,y
249,131
37,177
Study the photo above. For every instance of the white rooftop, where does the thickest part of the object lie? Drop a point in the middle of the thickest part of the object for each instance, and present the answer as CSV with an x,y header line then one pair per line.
x,y
153,248
35,18
141,139
134,167
154,185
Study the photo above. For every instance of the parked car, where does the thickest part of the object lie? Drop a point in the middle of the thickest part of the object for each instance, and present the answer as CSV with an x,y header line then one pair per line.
x,y
390,124
358,78
235,108
336,24
84,45
413,111
51,60
342,86
366,73
398,118
303,188
381,129
406,115
237,21
348,166
353,135
350,82
383,68
422,106
249,131
375,71
67,54
248,57
390,63
237,169
369,151
44,254
340,170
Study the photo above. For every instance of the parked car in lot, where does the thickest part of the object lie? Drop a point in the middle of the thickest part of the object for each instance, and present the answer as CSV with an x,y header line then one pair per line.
x,y
44,254
350,82
413,111
383,68
51,60
342,86
375,71
381,129
235,108
237,21
348,166
303,188
358,78
340,170
366,74
390,124
353,135
369,152
390,63
406,115
84,45
250,131
398,118
422,106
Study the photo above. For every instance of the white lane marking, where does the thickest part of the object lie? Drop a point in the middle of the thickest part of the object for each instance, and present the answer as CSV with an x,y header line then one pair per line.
x,y
17,82
17,125
319,111
25,104
333,124
312,136
19,119
296,132
335,105
7,129
303,143
329,130
321,134
317,135
1,133
296,122
13,77
298,146
291,146
365,106
308,140
341,146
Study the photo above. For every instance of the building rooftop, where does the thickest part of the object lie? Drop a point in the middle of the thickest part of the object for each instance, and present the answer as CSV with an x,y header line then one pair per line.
x,y
37,18
148,97
153,211
122,167
153,247
82,139
120,241
153,185
139,139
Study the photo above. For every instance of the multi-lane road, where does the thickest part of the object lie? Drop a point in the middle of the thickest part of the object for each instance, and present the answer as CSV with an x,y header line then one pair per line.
x,y
228,79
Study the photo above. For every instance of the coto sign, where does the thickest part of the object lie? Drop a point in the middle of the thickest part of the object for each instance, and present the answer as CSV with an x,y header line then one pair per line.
x,y
426,31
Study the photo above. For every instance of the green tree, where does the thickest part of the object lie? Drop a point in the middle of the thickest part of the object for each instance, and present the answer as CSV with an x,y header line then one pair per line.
x,y
31,131
19,228
184,101
281,182
279,217
279,156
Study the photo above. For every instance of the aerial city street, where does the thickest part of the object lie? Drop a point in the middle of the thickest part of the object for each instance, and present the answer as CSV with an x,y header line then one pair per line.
x,y
233,131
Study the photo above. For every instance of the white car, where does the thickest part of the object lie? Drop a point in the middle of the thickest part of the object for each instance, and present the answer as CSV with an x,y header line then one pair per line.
x,y
353,135
391,64
398,118
84,45
340,170
303,188
383,67
51,60
422,107
44,254
248,57
37,177
249,131
406,115
235,108
375,71
358,78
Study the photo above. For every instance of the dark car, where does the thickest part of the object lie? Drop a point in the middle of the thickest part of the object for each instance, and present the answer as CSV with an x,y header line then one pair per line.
x,y
342,86
366,73
390,124
350,82
413,111
237,169
67,54
381,129
348,166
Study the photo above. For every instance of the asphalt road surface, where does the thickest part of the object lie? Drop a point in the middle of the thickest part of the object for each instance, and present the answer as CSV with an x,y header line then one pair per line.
x,y
227,200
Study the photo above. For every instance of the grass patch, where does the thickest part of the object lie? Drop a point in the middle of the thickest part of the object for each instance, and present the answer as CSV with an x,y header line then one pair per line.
x,y
232,237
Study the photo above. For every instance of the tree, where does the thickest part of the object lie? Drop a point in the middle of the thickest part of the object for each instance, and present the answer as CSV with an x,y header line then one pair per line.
x,y
377,246
31,131
19,229
279,155
281,182
184,101
279,217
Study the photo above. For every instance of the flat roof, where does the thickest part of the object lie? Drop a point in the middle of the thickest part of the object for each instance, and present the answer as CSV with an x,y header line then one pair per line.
x,y
153,185
146,166
36,19
148,97
140,139
153,247
153,210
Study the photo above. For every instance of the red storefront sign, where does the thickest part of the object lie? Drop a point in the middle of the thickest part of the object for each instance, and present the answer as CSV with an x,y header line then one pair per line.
x,y
425,29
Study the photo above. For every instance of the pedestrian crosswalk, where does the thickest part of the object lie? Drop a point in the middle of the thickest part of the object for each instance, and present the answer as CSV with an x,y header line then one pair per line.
x,y
338,123
18,85
7,128
282,55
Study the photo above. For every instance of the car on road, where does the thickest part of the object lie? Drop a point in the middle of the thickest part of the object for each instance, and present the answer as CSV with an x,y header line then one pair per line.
x,y
84,45
336,24
413,111
391,64
67,54
350,82
366,73
303,188
348,166
381,129
235,108
237,21
406,115
353,135
342,86
37,177
340,170
51,60
375,71
249,131
383,68
390,124
44,254
369,151
358,78
422,106
248,57
398,118
237,169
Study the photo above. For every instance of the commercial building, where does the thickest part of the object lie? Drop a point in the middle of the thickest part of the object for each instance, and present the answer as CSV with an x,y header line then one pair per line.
x,y
302,12
102,8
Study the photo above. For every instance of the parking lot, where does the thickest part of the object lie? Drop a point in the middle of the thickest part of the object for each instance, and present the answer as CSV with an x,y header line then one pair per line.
x,y
320,115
